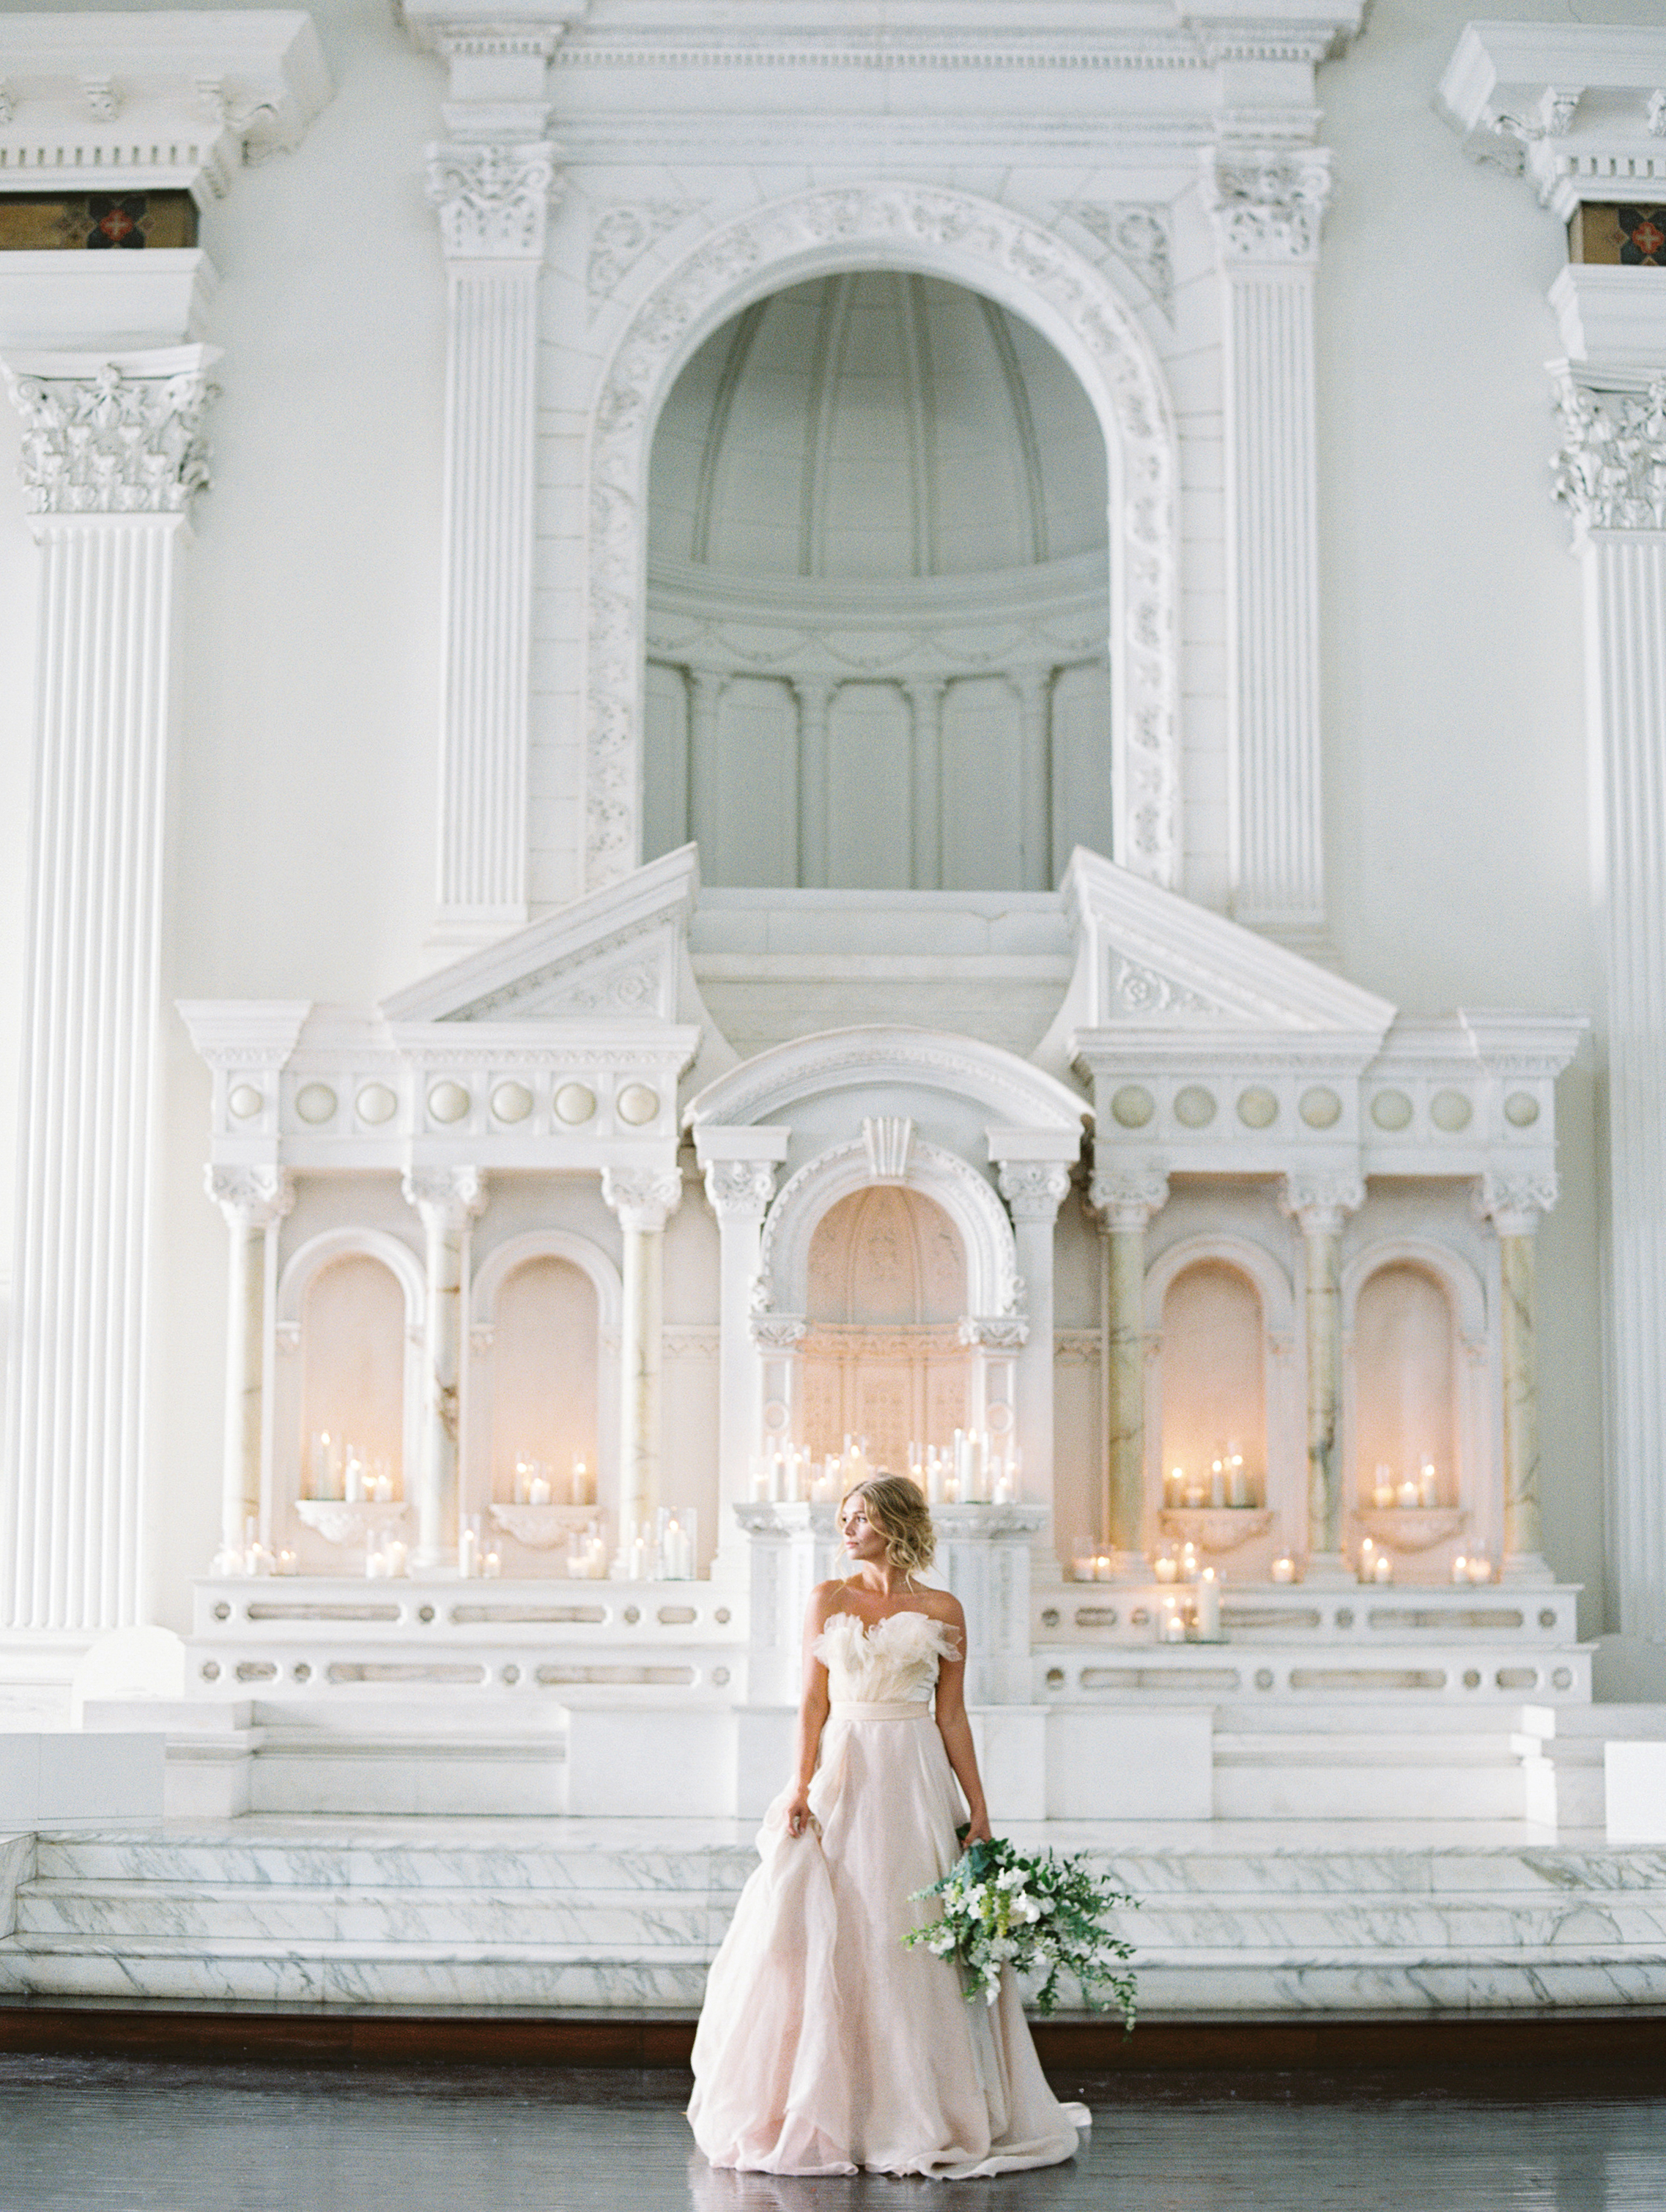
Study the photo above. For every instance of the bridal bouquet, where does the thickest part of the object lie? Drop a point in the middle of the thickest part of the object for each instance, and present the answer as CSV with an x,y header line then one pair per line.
x,y
1040,1912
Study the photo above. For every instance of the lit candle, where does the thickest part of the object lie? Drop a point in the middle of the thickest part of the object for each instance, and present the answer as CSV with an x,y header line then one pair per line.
x,y
287,1563
1218,1482
1238,1483
1381,1495
1102,1568
1460,1568
1207,1603
353,1480
584,1483
1481,1570
1406,1497
492,1566
1383,1569
1284,1569
1366,1562
538,1490
1428,1484
1164,1568
1175,1493
1173,1628
468,1547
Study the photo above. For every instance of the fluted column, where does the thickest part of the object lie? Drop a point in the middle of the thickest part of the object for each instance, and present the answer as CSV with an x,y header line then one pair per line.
x,y
1613,478
815,698
492,201
1268,203
925,702
1513,1204
112,454
1124,1200
1034,689
706,689
448,1200
252,1200
644,1200
739,1189
1320,1204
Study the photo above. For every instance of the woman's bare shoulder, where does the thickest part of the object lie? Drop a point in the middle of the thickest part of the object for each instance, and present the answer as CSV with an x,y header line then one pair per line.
x,y
942,1605
825,1600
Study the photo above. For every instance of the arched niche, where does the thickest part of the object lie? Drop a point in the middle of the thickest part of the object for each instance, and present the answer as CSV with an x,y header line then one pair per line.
x,y
543,1367
992,251
349,1329
1221,1371
885,1289
1417,1370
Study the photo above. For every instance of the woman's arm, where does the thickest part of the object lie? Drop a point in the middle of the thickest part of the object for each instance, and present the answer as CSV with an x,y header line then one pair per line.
x,y
812,1710
957,1731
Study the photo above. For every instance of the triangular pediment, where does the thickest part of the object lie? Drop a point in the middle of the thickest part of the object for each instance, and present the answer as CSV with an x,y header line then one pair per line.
x,y
620,951
1149,961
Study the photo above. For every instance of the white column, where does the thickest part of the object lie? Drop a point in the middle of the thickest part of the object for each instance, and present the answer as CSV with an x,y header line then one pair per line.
x,y
112,454
492,201
1034,1191
1034,689
706,689
1320,1204
1125,1198
644,1199
1612,476
1513,1204
815,697
739,1189
925,700
1267,205
252,1200
448,1200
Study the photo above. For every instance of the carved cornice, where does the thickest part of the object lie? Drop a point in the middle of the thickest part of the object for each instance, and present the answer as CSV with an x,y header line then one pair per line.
x,y
251,1197
493,200
447,1198
1268,202
643,1198
996,1332
1034,1189
740,1190
1611,470
1125,1198
123,438
1320,1203
778,1332
1514,1203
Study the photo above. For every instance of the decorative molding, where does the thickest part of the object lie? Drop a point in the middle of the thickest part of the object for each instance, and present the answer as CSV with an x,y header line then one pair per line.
x,y
1611,471
888,1138
449,1198
493,200
740,1190
996,1332
122,437
1572,107
251,1197
778,1332
997,252
644,1199
1321,1202
1515,1202
1139,234
620,235
1034,1189
1268,203
1125,1198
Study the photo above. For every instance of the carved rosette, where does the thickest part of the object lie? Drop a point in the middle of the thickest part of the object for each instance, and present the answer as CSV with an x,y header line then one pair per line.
x,y
113,442
1034,1189
1514,1203
1320,1203
740,1189
1611,470
1268,203
1125,1199
447,1199
644,1199
251,1197
493,200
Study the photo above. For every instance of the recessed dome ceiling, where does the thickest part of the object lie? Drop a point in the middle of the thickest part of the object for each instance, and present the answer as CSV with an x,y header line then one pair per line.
x,y
876,425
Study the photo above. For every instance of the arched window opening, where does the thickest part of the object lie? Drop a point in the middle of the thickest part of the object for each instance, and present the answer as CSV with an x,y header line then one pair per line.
x,y
353,1378
1214,1387
1405,1386
543,1382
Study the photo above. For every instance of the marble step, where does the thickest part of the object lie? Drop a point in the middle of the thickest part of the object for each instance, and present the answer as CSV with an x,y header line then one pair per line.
x,y
513,1865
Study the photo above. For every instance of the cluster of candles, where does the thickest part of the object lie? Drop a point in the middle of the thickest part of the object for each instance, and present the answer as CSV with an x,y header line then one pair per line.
x,y
252,1558
587,1555
385,1558
1472,1567
975,1469
1408,1495
1194,1616
661,1550
792,1476
475,1555
1375,1565
535,1479
1225,1485
343,1473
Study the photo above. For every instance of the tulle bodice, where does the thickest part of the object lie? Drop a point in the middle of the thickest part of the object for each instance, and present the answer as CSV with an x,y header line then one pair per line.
x,y
893,1662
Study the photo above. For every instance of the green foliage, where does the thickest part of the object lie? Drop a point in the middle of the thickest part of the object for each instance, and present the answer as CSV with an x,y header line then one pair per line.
x,y
1036,1912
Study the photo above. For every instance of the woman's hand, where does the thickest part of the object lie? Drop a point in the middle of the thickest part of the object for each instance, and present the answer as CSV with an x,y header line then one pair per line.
x,y
798,1810
976,1831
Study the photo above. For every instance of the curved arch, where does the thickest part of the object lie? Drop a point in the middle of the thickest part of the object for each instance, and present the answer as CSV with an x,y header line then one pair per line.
x,y
1462,1285
1020,1095
994,251
1277,1292
503,1259
316,1253
992,1288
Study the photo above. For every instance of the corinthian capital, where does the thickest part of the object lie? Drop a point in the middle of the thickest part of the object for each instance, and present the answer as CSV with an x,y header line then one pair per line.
x,y
1125,1198
740,1189
493,199
1513,1203
251,1197
447,1198
1611,471
1268,202
1034,1189
643,1198
125,438
1320,1203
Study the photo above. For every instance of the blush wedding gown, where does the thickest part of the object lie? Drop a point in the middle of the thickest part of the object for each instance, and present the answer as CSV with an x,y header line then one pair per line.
x,y
824,2045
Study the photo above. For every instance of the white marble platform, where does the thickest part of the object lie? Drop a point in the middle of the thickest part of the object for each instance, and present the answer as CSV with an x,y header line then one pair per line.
x,y
1237,1916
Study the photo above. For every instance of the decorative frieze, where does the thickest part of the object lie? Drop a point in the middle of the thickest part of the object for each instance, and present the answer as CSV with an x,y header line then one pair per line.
x,y
118,436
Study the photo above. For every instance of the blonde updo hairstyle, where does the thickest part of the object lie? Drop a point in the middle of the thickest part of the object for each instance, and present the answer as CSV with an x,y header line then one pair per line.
x,y
897,1507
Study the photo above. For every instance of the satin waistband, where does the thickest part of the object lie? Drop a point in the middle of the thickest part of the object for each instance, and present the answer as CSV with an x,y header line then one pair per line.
x,y
853,1709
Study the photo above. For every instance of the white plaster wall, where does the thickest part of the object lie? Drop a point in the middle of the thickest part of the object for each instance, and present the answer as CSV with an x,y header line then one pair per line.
x,y
301,819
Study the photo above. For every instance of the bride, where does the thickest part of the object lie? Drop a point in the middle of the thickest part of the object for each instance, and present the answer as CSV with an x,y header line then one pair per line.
x,y
825,2045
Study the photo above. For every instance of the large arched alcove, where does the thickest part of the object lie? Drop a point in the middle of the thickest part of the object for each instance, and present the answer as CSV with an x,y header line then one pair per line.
x,y
878,588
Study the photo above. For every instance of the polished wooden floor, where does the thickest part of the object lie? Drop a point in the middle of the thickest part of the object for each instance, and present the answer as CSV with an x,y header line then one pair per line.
x,y
108,2135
